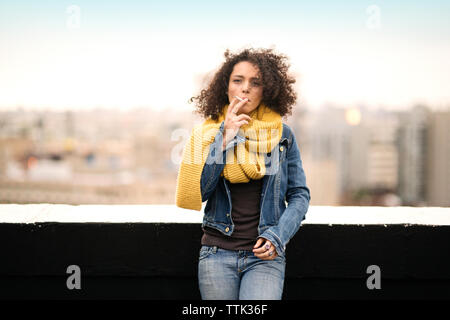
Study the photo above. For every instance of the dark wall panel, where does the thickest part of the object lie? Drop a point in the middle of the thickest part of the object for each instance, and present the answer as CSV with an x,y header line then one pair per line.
x,y
159,261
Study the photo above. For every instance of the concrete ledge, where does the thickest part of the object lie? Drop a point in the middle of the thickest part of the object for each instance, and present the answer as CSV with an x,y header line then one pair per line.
x,y
33,213
149,252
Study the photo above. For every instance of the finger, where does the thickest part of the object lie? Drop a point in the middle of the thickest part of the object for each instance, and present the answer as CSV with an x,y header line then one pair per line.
x,y
241,123
258,246
232,104
273,254
267,244
239,105
268,255
258,243
243,117
264,256
261,249
265,248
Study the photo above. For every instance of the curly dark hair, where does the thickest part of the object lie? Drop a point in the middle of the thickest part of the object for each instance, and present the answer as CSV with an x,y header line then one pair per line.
x,y
278,92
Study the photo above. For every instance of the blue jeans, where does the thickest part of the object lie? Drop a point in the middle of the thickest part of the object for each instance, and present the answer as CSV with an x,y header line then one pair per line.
x,y
232,275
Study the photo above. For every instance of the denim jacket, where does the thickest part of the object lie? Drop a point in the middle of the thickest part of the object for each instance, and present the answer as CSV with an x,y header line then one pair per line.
x,y
284,181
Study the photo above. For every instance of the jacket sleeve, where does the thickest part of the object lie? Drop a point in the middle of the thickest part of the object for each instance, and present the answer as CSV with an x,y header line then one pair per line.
x,y
215,162
297,197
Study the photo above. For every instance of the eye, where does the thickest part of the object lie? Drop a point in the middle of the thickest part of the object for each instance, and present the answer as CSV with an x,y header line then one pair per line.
x,y
236,80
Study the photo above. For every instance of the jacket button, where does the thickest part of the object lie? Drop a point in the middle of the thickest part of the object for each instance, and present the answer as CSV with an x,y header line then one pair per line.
x,y
228,214
281,148
227,229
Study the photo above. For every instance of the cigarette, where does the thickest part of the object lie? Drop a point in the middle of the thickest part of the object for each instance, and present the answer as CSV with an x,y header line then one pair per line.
x,y
240,99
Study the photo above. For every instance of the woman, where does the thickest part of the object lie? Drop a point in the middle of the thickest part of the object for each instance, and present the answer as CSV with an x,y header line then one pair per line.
x,y
246,164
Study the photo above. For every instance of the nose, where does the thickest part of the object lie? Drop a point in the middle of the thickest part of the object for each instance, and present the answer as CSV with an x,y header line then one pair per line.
x,y
246,87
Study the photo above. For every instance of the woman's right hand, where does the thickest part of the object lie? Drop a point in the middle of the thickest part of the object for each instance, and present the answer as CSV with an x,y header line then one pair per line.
x,y
233,121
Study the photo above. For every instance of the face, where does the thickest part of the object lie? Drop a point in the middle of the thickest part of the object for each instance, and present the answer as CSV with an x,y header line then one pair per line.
x,y
245,82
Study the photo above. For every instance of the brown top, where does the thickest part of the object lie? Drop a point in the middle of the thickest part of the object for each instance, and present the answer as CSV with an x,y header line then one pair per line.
x,y
245,198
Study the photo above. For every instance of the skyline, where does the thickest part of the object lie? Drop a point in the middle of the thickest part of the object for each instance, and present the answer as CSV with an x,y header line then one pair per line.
x,y
72,55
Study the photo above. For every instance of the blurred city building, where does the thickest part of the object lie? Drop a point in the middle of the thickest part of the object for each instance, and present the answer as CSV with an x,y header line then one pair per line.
x,y
438,160
357,156
412,146
351,155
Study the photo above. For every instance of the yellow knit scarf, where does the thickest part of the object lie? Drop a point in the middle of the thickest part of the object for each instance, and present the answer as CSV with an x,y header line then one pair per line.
x,y
262,134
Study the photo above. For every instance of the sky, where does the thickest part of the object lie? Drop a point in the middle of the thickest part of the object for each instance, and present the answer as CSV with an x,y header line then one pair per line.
x,y
125,54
